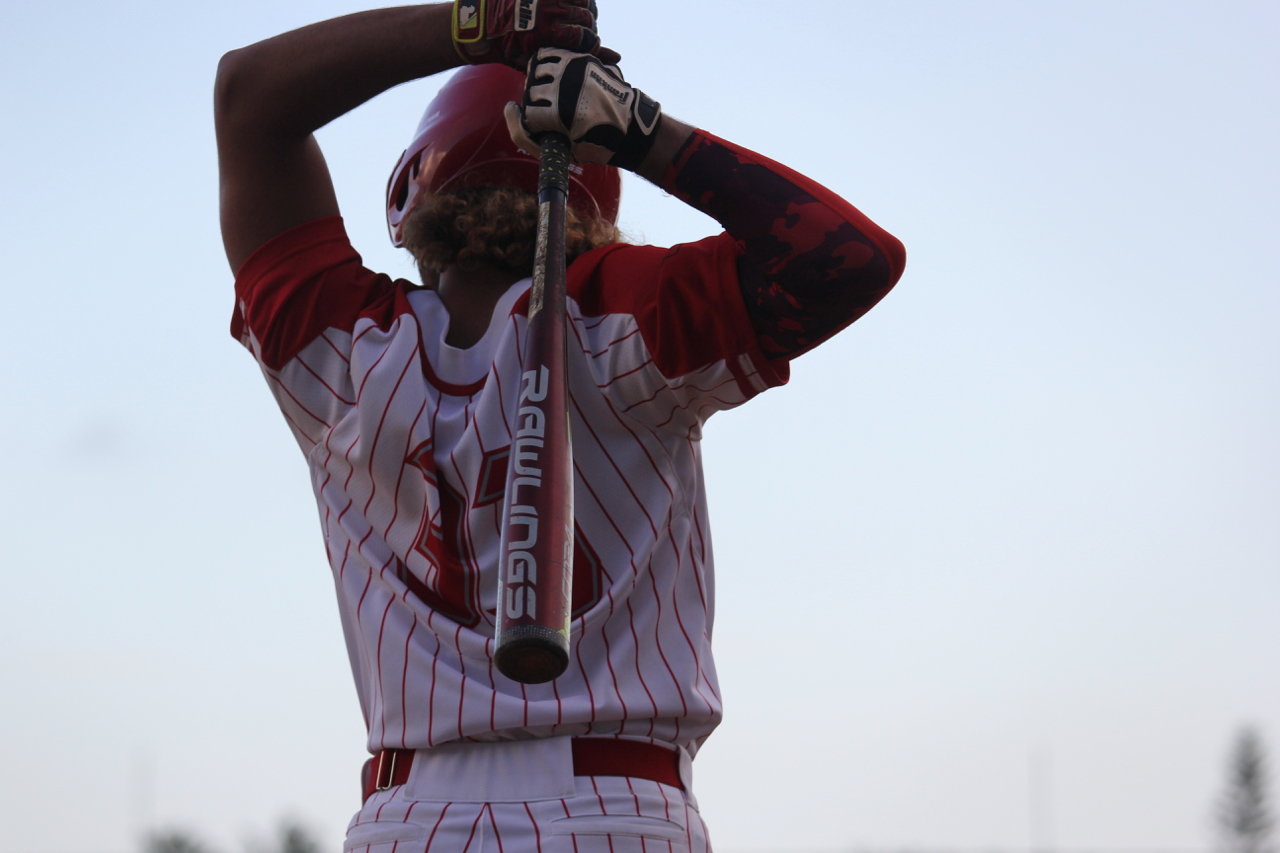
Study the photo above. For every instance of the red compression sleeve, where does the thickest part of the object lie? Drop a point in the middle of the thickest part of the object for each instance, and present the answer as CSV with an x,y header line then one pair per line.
x,y
811,262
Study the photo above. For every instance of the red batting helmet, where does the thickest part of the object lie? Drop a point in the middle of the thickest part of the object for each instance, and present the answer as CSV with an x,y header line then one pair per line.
x,y
462,141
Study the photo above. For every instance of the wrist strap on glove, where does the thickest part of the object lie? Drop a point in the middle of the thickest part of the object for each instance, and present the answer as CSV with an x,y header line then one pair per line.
x,y
469,36
511,31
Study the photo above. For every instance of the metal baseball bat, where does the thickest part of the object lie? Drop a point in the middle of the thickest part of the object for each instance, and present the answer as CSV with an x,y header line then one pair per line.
x,y
536,568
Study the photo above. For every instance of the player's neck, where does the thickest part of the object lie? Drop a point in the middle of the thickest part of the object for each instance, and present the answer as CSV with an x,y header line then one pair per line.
x,y
469,296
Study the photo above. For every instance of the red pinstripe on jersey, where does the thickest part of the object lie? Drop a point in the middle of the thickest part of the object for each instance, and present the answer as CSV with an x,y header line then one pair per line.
x,y
404,434
403,460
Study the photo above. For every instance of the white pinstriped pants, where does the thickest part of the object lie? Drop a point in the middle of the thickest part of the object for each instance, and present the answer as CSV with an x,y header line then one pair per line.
x,y
522,797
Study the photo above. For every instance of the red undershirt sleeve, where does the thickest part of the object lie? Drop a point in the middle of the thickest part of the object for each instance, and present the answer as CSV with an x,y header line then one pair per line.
x,y
810,262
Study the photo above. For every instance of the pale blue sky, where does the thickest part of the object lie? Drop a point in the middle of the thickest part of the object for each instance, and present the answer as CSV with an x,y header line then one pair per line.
x,y
1023,515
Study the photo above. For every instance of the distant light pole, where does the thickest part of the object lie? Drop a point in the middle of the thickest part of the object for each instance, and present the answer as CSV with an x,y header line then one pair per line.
x,y
144,795
1040,800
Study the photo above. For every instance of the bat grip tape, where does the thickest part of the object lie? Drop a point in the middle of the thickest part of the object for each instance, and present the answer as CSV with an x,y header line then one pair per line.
x,y
553,168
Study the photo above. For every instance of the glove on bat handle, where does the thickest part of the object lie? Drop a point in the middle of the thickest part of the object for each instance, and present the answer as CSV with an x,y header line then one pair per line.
x,y
535,572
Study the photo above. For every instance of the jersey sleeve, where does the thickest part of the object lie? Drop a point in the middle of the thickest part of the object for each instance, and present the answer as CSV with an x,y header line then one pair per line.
x,y
298,300
717,321
666,333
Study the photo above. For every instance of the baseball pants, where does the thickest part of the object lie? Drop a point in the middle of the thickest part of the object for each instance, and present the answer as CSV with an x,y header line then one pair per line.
x,y
522,797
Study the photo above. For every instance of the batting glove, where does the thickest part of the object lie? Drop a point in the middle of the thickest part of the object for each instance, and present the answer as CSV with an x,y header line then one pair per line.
x,y
511,31
579,96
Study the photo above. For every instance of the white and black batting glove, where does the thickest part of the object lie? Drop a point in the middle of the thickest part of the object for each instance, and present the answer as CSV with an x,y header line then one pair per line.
x,y
575,94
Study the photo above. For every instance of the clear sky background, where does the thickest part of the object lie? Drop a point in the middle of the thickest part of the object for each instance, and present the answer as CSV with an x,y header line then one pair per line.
x,y
1000,566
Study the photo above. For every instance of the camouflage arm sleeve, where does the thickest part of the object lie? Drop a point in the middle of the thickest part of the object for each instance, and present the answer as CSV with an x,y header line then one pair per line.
x,y
811,263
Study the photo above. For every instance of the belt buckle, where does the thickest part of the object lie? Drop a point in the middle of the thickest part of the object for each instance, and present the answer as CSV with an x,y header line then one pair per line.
x,y
379,785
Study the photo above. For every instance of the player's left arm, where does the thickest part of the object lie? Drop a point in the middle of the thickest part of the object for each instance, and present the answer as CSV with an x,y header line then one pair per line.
x,y
271,97
810,263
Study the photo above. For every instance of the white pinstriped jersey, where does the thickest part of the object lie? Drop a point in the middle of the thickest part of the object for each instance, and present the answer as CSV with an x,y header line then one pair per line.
x,y
407,441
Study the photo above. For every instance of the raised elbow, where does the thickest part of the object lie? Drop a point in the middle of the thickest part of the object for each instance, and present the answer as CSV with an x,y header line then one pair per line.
x,y
228,86
895,255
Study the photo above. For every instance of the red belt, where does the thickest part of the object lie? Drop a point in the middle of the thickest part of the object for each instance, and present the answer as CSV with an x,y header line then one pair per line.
x,y
591,757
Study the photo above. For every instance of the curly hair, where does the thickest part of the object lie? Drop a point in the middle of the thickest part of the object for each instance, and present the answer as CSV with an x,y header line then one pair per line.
x,y
488,225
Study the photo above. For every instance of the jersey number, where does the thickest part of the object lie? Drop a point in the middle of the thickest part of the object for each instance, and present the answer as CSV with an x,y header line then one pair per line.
x,y
450,587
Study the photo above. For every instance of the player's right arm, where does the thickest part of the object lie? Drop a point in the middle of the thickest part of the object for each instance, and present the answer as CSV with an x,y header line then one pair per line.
x,y
809,262
722,317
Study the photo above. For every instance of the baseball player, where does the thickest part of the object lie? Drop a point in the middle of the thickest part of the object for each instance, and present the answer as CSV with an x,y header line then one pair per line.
x,y
401,397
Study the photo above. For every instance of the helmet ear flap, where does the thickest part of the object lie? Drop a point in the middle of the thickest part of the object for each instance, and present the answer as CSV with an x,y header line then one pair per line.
x,y
462,141
403,191
397,197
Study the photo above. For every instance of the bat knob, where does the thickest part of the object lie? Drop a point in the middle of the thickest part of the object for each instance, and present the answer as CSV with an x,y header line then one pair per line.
x,y
532,654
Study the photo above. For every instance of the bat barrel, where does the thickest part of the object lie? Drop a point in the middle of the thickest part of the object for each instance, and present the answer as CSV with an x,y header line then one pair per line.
x,y
536,569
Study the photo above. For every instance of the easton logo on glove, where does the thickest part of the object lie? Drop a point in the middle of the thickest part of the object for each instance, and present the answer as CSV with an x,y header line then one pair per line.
x,y
468,22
